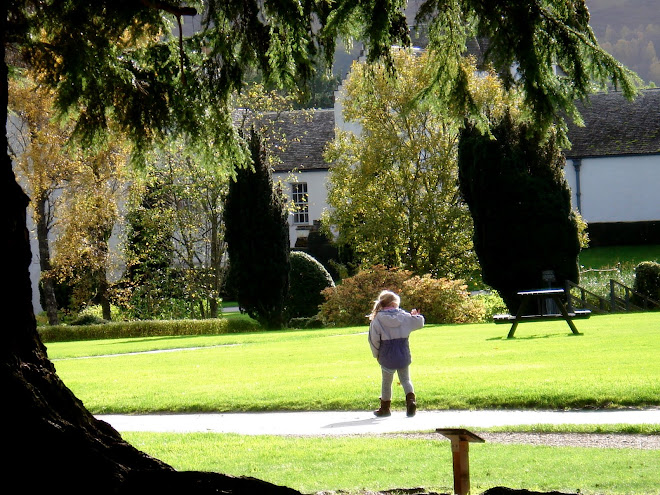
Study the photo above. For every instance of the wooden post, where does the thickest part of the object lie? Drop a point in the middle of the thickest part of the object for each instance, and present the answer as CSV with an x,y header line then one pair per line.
x,y
460,447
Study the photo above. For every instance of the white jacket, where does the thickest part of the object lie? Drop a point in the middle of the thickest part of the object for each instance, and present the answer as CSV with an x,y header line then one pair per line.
x,y
388,337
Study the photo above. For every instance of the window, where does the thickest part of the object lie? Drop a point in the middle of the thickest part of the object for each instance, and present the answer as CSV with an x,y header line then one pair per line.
x,y
300,202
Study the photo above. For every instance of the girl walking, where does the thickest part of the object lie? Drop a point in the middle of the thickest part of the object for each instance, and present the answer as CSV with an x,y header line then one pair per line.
x,y
389,330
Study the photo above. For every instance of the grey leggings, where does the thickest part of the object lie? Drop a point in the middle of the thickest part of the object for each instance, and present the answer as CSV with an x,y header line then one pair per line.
x,y
388,377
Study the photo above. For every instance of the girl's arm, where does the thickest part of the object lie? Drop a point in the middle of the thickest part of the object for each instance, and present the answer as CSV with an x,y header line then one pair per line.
x,y
374,339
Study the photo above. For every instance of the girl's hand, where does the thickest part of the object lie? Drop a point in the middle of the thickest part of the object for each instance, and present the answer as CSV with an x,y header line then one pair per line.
x,y
414,312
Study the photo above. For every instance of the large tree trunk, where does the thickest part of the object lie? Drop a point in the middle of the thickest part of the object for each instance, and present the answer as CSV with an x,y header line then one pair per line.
x,y
51,443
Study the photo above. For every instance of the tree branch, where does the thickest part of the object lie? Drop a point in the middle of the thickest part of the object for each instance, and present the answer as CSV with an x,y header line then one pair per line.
x,y
167,7
177,11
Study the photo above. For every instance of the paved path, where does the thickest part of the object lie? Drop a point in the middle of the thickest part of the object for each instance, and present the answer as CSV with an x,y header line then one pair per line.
x,y
348,423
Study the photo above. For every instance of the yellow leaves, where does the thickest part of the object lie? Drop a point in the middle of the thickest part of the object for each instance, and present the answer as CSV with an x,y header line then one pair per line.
x,y
373,91
79,185
488,94
392,187
419,83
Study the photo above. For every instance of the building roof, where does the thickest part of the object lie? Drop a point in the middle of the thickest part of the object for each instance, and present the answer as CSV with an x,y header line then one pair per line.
x,y
615,126
298,138
308,133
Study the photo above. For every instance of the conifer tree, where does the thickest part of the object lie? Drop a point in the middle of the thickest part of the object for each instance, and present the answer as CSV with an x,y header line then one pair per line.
x,y
257,237
148,277
119,59
520,203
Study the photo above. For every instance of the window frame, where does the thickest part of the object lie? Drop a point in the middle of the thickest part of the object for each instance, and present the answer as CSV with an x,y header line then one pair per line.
x,y
300,199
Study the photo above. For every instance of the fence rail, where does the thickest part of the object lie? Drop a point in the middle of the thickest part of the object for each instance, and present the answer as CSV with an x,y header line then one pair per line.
x,y
622,299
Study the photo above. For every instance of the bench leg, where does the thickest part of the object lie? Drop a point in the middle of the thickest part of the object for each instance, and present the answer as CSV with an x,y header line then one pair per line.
x,y
514,325
564,313
521,311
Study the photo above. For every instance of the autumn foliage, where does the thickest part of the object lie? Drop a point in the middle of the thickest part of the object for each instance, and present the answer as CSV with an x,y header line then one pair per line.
x,y
440,300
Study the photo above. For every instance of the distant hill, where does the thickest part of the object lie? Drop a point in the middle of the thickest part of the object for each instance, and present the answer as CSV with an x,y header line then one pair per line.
x,y
630,31
627,29
619,13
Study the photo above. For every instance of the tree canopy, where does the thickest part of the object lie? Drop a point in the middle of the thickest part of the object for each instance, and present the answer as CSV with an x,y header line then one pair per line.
x,y
392,187
122,60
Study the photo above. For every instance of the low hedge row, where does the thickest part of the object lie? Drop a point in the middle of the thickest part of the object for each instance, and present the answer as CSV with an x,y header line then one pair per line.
x,y
146,328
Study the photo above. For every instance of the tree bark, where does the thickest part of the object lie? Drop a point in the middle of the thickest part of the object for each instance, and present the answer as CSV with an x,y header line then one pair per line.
x,y
51,442
47,282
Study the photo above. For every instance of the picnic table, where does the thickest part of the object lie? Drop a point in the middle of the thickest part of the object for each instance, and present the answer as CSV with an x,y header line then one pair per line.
x,y
544,311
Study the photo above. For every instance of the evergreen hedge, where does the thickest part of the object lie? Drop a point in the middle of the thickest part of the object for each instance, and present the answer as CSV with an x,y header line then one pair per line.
x,y
307,278
146,328
647,280
524,225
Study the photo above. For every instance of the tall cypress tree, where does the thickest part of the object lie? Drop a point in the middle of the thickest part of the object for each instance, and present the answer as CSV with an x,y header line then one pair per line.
x,y
257,237
521,206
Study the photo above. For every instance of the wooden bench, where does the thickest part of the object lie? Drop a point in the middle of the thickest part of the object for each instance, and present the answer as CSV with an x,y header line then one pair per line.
x,y
540,297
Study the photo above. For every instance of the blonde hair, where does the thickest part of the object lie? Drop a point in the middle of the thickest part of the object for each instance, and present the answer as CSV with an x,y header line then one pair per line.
x,y
385,299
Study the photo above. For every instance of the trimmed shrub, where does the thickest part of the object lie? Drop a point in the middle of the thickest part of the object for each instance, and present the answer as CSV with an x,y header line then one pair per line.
x,y
439,300
647,280
307,279
349,303
150,328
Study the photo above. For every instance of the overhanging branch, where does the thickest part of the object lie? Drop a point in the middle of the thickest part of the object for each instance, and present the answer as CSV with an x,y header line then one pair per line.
x,y
167,7
177,11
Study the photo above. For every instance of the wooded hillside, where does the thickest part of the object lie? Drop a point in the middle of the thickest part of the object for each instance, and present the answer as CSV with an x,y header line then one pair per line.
x,y
630,31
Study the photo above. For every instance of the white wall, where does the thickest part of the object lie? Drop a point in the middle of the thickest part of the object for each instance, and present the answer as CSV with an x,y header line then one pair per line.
x,y
316,191
354,127
617,189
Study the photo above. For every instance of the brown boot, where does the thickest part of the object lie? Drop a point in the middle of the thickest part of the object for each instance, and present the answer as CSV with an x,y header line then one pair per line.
x,y
411,405
384,410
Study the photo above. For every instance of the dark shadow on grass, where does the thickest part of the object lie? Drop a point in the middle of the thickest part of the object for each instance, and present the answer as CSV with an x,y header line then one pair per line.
x,y
537,336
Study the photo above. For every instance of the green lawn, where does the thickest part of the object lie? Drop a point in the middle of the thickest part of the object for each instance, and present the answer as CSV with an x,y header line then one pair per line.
x,y
609,256
361,464
612,364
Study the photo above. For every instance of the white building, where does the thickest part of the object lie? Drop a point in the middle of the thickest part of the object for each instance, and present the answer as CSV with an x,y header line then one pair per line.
x,y
302,170
613,168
